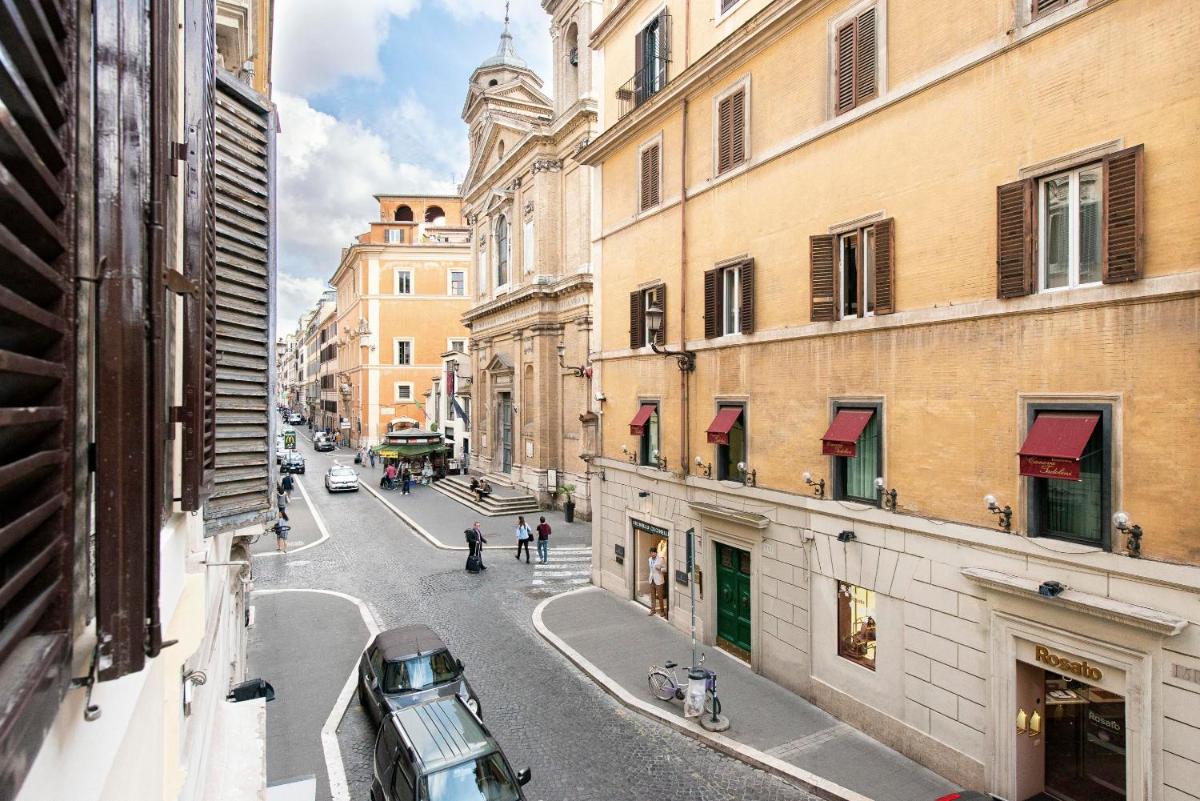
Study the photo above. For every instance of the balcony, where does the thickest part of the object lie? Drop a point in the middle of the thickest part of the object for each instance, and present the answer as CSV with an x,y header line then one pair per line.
x,y
645,84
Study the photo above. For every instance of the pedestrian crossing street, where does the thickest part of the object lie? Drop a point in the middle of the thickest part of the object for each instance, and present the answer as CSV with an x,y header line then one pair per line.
x,y
568,569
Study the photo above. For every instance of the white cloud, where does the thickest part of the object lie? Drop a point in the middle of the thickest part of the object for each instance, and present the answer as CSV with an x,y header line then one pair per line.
x,y
530,28
294,295
319,41
328,172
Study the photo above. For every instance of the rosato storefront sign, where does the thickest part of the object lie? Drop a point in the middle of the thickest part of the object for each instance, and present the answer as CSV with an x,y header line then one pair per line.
x,y
1064,664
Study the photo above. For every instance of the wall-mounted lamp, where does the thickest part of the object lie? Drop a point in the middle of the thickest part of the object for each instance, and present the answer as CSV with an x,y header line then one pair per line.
x,y
888,495
818,486
630,455
1134,532
749,477
659,462
1005,512
847,536
578,372
705,469
654,321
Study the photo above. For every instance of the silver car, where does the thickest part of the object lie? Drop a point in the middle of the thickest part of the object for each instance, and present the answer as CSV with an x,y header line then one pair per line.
x,y
341,478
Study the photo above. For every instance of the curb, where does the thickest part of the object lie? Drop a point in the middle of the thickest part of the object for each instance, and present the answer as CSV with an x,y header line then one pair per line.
x,y
320,521
751,756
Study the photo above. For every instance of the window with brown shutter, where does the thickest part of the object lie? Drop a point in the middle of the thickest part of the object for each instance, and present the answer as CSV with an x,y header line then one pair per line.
x,y
658,297
637,324
1123,228
823,292
856,61
37,368
1015,223
884,268
712,304
729,300
651,171
731,130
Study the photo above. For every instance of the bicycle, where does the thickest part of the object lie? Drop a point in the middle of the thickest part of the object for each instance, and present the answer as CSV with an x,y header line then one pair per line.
x,y
666,687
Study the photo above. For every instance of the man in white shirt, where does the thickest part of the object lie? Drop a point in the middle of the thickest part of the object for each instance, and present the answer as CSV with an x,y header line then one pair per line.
x,y
658,582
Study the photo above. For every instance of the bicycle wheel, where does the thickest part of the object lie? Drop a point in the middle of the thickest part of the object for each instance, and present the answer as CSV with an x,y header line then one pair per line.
x,y
662,686
709,701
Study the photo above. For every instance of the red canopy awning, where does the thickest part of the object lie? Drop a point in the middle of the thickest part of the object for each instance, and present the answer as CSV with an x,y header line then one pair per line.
x,y
638,424
842,437
718,429
1054,444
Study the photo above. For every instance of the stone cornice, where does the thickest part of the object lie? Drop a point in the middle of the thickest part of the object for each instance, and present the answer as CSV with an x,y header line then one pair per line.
x,y
563,286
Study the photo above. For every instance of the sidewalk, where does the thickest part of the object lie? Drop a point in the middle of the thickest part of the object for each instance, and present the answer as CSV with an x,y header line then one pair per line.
x,y
772,728
305,530
442,519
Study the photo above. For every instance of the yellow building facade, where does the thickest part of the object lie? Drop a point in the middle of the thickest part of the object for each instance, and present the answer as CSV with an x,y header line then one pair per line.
x,y
904,260
402,289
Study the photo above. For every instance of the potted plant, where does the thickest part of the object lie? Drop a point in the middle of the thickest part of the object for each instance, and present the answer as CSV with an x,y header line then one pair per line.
x,y
567,490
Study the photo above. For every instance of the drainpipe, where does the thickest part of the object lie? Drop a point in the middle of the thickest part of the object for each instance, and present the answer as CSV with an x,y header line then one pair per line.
x,y
685,451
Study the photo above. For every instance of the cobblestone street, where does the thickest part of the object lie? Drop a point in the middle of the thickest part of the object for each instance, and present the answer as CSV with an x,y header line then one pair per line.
x,y
579,742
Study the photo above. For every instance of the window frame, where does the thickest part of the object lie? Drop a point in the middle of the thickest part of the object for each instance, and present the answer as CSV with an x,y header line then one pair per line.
x,y
503,259
450,344
865,270
655,141
720,456
450,284
743,84
723,9
839,464
1036,487
396,391
726,306
843,652
644,449
396,278
659,21
396,342
390,239
1073,227
648,297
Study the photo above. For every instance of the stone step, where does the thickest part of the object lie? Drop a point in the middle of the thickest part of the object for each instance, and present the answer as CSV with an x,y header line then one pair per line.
x,y
492,505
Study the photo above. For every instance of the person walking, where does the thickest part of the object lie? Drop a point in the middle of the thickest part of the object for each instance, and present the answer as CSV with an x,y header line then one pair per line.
x,y
524,535
406,482
543,541
479,542
288,485
281,534
372,454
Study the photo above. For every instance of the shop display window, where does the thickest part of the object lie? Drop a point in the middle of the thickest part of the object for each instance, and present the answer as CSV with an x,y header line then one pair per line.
x,y
856,624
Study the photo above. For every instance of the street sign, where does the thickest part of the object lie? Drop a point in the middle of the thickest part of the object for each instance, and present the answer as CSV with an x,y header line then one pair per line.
x,y
691,549
345,425
289,441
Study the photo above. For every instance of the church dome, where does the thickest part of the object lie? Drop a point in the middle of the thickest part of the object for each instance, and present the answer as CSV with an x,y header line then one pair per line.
x,y
506,55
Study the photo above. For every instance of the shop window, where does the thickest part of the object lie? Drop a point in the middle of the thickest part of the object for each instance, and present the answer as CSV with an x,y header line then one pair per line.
x,y
856,624
1067,457
855,441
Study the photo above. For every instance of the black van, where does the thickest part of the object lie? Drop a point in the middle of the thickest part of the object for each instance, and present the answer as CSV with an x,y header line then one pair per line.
x,y
439,751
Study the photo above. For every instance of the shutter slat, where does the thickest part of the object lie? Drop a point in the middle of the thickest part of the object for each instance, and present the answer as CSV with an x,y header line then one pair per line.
x,y
1122,214
844,78
660,299
823,304
636,336
1015,204
737,128
747,282
712,311
865,57
885,266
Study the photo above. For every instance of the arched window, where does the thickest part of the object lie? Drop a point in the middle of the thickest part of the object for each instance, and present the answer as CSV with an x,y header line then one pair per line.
x,y
435,215
403,214
493,82
502,251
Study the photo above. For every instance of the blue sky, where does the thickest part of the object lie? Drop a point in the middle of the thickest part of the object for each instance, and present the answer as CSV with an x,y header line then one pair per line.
x,y
369,95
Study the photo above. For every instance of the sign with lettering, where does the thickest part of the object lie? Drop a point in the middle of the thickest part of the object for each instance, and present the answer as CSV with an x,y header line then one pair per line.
x,y
289,441
649,528
681,577
1065,664
1186,673
1050,467
619,552
831,448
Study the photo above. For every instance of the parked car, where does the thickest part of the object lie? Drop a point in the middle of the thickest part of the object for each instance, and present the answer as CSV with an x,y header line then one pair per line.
x,y
294,419
439,751
406,666
341,478
322,442
293,462
279,449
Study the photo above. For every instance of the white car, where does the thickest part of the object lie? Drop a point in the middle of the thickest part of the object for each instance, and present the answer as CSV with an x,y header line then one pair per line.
x,y
294,419
279,449
341,478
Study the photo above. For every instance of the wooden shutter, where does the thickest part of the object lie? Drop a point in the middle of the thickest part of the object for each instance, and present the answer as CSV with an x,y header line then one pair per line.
x,y
1123,229
650,169
640,76
885,266
664,42
824,300
866,56
242,482
712,303
1040,7
731,131
747,299
1016,223
660,299
637,337
844,78
38,460
199,363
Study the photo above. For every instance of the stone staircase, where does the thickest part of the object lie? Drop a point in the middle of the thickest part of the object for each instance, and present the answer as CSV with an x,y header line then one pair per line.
x,y
504,500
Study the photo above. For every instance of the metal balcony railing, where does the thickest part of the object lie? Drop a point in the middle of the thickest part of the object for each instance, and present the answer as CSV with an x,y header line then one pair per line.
x,y
646,82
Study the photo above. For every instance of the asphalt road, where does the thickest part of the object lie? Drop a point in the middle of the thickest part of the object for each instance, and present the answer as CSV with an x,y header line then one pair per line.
x,y
579,742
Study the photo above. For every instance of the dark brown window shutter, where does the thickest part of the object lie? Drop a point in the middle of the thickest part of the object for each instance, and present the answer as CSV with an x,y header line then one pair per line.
x,y
724,134
866,56
639,59
844,78
660,300
712,304
737,126
38,455
637,336
1040,7
885,266
1016,223
824,307
664,37
747,281
649,196
1123,229
655,174
199,363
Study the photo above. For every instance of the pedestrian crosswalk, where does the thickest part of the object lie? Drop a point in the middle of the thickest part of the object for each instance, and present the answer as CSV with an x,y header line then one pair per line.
x,y
568,569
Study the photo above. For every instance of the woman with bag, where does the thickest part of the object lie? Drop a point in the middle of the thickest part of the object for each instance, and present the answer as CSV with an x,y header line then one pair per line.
x,y
524,535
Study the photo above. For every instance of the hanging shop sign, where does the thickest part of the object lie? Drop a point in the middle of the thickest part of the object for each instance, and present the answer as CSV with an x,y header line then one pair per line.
x,y
649,528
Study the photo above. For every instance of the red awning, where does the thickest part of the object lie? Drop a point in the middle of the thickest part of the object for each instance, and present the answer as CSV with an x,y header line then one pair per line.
x,y
1054,444
842,437
638,423
718,429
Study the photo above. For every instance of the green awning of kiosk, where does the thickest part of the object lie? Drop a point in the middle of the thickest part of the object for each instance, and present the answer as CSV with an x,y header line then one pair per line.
x,y
396,451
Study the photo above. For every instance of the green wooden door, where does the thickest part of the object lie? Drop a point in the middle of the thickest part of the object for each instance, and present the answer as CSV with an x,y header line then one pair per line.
x,y
733,597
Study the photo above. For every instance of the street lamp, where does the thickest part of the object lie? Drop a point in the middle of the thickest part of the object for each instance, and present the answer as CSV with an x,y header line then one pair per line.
x,y
578,372
654,321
